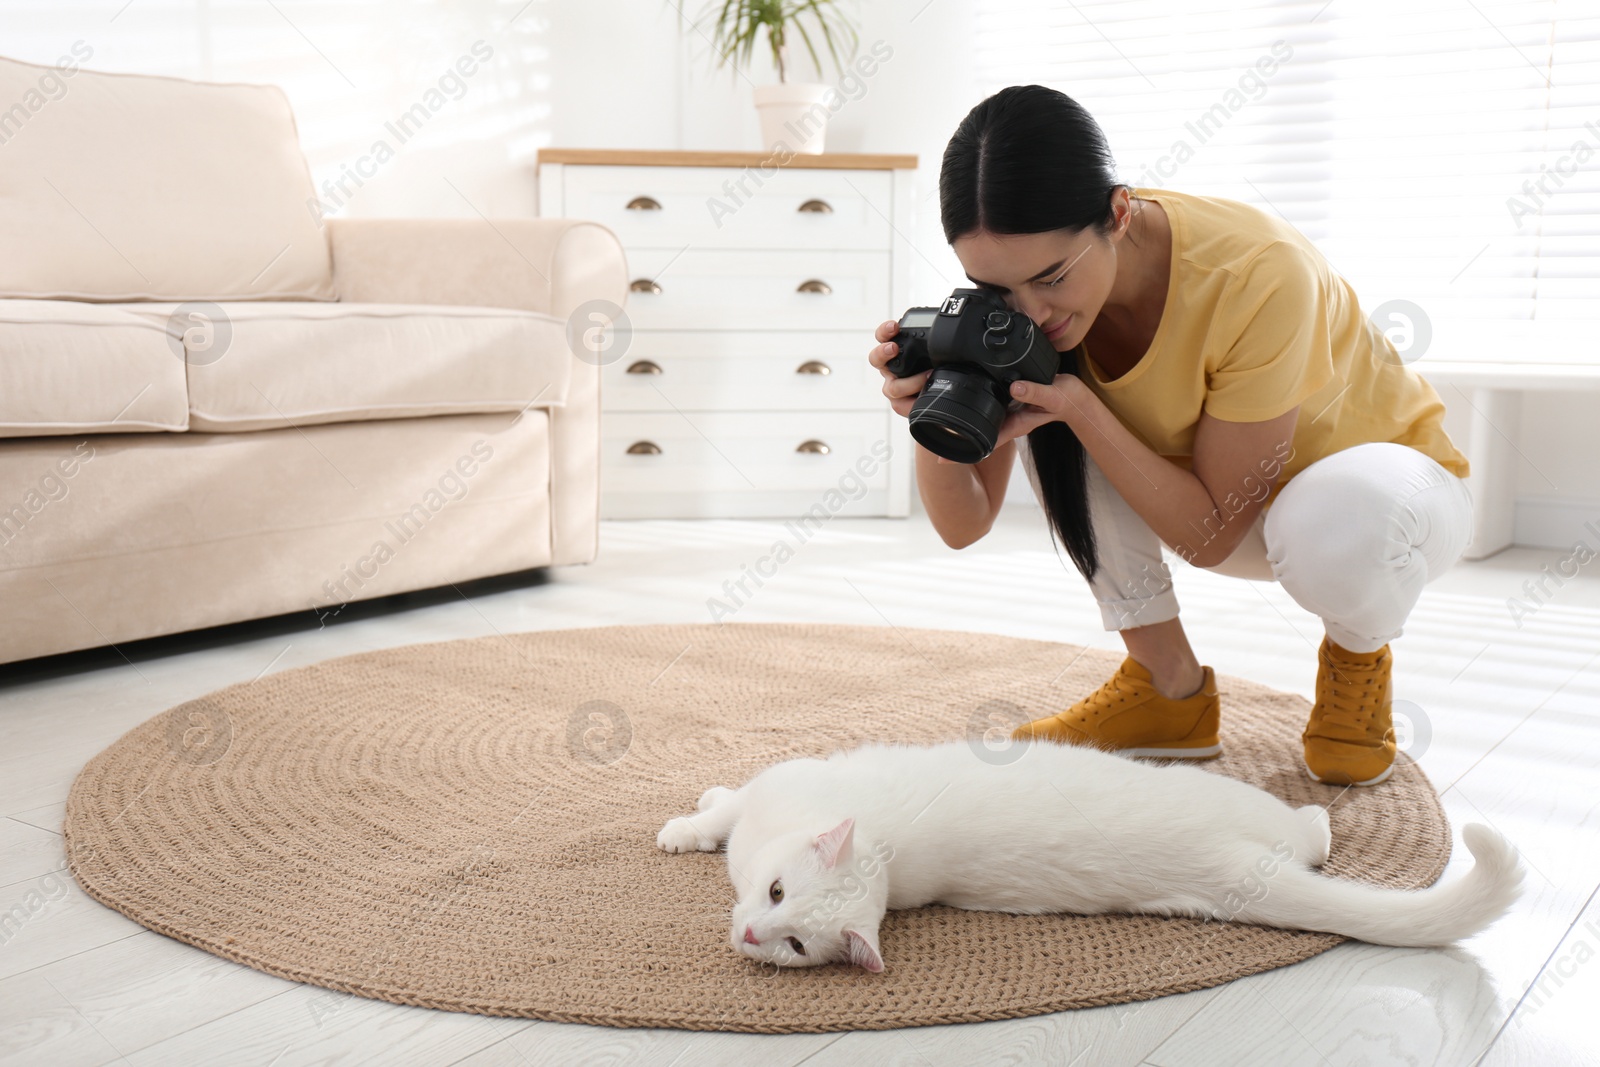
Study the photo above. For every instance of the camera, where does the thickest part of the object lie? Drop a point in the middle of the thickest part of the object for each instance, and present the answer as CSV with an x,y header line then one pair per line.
x,y
976,347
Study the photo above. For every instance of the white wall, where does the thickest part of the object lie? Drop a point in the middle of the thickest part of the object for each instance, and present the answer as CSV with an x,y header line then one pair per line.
x,y
613,74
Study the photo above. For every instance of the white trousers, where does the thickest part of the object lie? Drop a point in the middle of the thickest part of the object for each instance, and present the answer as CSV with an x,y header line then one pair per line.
x,y
1352,538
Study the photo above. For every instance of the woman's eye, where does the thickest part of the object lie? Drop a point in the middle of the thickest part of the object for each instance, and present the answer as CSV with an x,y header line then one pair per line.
x,y
794,943
1059,278
776,892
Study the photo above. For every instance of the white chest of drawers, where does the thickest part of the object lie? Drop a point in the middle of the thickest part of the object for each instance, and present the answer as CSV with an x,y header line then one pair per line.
x,y
743,388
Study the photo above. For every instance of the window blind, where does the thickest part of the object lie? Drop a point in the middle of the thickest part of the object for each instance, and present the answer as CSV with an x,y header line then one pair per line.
x,y
1437,152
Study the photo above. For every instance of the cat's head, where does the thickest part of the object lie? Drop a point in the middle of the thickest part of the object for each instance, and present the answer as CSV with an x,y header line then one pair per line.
x,y
810,899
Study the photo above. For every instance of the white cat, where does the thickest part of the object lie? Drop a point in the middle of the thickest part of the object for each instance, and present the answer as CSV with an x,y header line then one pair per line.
x,y
819,849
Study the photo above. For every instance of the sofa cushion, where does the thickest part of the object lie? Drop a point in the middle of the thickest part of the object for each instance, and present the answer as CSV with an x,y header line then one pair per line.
x,y
123,187
69,368
263,365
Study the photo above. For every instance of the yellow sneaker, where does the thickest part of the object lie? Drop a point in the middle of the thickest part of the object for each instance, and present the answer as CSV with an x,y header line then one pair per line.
x,y
1129,716
1349,739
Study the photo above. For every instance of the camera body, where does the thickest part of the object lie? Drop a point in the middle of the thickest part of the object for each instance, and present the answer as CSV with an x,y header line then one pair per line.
x,y
976,347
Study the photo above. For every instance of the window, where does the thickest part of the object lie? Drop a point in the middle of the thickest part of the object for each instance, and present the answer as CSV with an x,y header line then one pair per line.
x,y
1407,141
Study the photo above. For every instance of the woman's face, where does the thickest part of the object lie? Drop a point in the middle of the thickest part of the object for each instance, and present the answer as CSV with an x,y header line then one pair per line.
x,y
1059,279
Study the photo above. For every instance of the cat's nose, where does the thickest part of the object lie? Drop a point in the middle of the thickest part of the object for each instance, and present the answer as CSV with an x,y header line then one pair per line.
x,y
750,936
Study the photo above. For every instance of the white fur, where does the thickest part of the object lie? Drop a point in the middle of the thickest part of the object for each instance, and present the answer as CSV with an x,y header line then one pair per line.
x,y
1058,829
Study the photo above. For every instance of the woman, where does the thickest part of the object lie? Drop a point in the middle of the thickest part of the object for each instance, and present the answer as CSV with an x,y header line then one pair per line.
x,y
1228,399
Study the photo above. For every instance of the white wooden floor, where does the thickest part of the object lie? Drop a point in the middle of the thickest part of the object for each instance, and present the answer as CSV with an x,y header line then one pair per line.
x,y
1514,715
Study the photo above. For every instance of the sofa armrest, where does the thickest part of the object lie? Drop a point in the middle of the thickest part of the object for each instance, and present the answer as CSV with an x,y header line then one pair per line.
x,y
547,265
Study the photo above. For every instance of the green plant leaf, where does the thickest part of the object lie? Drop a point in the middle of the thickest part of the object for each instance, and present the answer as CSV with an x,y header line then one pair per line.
x,y
735,27
828,19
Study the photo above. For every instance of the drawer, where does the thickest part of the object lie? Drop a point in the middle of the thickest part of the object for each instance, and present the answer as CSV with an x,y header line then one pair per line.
x,y
791,370
744,452
695,289
729,207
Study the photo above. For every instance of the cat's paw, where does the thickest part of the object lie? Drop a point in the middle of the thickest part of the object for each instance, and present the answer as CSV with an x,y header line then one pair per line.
x,y
681,835
713,796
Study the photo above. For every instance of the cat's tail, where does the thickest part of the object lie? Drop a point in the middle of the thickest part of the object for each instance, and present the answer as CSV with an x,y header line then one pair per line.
x,y
1298,898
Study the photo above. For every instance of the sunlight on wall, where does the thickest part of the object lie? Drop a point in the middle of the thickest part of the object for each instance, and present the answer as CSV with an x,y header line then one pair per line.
x,y
406,107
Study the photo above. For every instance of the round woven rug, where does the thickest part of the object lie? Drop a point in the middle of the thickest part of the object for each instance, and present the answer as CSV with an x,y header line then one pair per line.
x,y
471,826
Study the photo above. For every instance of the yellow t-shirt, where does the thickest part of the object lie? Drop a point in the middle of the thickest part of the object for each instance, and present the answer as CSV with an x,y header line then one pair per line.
x,y
1256,321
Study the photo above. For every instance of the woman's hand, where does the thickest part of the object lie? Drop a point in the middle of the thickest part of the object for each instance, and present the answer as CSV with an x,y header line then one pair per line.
x,y
1042,404
902,392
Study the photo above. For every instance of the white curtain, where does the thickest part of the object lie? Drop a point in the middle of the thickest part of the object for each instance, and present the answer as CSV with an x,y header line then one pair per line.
x,y
1406,140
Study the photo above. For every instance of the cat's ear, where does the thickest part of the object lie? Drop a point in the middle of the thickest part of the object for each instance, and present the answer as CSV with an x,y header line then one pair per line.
x,y
835,844
864,949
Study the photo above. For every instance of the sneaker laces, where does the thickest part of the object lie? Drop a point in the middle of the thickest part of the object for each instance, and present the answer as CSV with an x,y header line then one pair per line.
x,y
1352,695
1113,693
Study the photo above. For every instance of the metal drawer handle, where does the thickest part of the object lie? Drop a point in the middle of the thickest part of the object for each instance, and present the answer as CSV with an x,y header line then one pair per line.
x,y
813,366
814,285
643,285
644,203
644,366
814,446
820,207
644,448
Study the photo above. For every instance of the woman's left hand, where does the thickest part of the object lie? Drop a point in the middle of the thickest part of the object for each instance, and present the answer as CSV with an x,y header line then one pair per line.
x,y
1042,404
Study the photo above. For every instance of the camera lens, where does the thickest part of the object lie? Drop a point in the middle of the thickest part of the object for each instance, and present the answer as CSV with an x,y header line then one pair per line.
x,y
958,413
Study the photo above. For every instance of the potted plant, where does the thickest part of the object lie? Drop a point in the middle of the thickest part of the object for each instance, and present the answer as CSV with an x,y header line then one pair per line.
x,y
792,113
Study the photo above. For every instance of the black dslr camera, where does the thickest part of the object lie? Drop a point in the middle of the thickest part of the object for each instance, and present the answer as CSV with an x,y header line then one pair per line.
x,y
976,347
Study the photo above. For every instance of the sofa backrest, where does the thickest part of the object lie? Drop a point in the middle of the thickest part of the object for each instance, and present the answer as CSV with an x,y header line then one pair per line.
x,y
119,187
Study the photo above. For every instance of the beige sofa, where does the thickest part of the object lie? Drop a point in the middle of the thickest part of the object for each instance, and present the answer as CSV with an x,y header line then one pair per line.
x,y
216,404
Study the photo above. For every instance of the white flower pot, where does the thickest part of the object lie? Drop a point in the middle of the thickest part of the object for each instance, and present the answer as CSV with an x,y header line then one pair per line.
x,y
793,114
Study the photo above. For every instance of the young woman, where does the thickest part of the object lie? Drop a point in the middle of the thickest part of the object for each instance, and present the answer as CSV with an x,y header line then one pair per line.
x,y
1227,398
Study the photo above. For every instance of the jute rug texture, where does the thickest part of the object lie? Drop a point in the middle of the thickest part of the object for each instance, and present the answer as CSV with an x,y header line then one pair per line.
x,y
471,826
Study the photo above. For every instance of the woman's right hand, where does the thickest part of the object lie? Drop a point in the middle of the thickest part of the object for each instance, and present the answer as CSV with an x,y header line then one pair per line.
x,y
902,392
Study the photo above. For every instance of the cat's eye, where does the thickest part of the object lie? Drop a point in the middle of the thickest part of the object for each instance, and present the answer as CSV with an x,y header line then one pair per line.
x,y
776,892
794,943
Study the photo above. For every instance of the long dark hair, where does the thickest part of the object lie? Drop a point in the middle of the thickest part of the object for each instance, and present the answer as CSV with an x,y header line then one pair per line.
x,y
1030,159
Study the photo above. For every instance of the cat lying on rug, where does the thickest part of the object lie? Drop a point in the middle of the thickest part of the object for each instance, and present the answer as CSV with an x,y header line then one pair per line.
x,y
819,849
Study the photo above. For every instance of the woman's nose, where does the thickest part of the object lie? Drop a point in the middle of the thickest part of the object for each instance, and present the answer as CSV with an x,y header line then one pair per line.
x,y
1038,314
